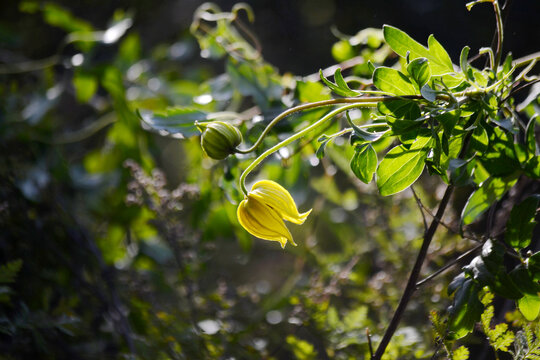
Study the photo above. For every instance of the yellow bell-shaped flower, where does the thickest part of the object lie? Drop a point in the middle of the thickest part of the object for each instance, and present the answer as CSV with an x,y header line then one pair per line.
x,y
263,210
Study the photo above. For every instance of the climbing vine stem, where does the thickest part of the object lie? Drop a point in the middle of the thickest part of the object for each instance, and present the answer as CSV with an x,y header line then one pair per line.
x,y
300,134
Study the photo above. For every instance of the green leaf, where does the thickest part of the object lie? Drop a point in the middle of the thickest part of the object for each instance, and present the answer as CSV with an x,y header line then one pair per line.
x,y
340,87
360,133
448,120
400,108
452,151
439,60
428,93
532,167
401,166
178,121
323,140
480,139
500,158
364,163
342,50
488,270
419,71
521,276
439,56
393,81
465,311
534,265
129,50
521,223
489,191
463,62
529,306
461,353
461,171
85,86
9,271
58,16
302,350
311,91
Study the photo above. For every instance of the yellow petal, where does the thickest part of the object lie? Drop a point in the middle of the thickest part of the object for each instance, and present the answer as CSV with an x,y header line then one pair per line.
x,y
263,222
279,199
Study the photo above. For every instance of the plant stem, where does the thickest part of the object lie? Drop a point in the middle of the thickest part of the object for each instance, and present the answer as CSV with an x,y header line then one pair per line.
x,y
449,265
308,106
298,135
498,16
413,277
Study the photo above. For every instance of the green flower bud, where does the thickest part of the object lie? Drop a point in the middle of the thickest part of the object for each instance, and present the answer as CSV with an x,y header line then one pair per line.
x,y
219,139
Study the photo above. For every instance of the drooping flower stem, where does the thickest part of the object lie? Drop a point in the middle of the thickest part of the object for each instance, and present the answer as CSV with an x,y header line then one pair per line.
x,y
298,135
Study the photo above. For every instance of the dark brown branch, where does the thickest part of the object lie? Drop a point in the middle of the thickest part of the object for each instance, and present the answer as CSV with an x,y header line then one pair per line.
x,y
413,278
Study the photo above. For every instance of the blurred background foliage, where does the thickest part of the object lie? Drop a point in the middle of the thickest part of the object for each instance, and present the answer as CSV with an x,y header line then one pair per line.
x,y
118,242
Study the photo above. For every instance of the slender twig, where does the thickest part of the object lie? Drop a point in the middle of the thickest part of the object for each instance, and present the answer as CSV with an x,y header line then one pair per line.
x,y
430,213
421,208
448,265
525,60
436,351
368,335
413,277
256,43
29,66
500,36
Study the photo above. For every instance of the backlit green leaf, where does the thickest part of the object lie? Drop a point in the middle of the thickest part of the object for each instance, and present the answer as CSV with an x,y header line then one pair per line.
x,y
85,86
466,309
489,191
364,163
439,60
428,93
479,139
439,57
393,81
401,166
529,306
340,87
419,71
463,61
400,108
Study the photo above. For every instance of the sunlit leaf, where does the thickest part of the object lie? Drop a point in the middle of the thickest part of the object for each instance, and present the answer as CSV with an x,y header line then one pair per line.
x,y
529,306
364,163
401,43
401,166
393,81
419,71
489,191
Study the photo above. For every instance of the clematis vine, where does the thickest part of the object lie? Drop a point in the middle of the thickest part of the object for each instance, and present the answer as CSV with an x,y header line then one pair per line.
x,y
265,207
263,210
